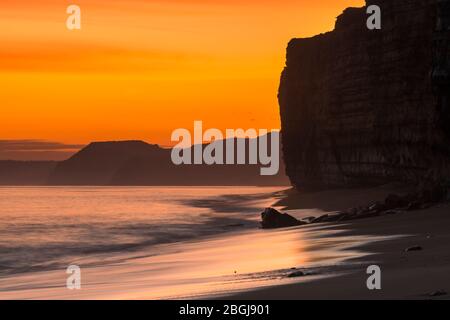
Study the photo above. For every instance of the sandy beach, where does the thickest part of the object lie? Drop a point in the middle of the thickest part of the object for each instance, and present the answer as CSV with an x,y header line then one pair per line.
x,y
405,275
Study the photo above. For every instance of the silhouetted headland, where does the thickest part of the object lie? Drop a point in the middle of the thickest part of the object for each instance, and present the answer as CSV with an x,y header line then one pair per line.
x,y
133,163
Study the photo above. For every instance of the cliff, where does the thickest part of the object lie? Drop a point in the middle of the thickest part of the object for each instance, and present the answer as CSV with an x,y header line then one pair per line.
x,y
361,107
136,163
97,163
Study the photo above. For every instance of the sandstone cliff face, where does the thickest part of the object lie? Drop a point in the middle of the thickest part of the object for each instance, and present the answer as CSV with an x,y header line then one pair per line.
x,y
363,107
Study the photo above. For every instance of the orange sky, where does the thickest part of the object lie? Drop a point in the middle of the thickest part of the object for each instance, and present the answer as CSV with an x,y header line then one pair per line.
x,y
139,69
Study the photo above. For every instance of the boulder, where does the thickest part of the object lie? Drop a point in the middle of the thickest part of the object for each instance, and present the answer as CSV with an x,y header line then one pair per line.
x,y
320,219
377,207
414,248
296,274
333,217
330,217
414,205
434,194
438,293
390,212
394,201
272,219
308,219
366,214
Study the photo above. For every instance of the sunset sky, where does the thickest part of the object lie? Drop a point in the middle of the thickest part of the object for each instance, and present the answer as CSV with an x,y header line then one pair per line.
x,y
138,69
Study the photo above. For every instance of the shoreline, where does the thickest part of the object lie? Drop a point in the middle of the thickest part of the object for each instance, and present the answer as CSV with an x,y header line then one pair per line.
x,y
422,274
200,217
257,264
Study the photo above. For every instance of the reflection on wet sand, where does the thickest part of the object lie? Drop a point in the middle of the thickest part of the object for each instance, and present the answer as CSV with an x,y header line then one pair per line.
x,y
210,267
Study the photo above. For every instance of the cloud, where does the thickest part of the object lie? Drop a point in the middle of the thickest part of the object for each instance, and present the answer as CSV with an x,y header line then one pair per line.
x,y
83,57
36,150
36,145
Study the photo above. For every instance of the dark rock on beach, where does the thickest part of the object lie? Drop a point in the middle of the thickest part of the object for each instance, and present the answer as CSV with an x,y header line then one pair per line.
x,y
296,274
414,248
393,204
395,201
320,219
366,214
390,212
438,293
414,205
308,219
272,219
331,217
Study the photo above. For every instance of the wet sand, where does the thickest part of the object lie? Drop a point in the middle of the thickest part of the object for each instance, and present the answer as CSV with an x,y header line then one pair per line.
x,y
211,267
404,275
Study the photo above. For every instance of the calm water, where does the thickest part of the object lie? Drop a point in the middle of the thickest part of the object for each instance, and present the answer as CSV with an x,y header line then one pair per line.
x,y
49,228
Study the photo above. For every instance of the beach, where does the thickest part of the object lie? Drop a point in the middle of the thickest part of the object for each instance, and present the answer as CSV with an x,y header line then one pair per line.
x,y
420,274
229,256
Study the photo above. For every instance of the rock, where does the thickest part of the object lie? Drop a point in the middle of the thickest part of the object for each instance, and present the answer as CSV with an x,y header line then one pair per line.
x,y
414,248
350,214
438,293
426,206
394,201
320,219
296,274
409,202
390,212
415,205
336,216
272,219
308,219
416,201
330,217
434,194
346,217
366,214
377,207
347,122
